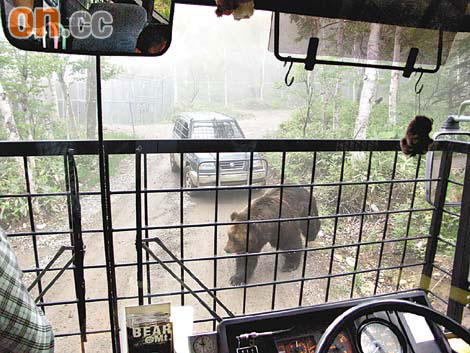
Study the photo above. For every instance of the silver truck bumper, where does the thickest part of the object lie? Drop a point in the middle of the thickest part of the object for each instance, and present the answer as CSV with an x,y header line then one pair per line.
x,y
240,178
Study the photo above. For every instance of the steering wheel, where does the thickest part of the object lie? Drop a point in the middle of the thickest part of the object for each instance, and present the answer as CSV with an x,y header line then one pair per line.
x,y
404,306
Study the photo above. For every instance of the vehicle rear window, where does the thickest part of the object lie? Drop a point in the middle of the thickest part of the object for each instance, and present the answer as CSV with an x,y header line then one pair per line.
x,y
218,130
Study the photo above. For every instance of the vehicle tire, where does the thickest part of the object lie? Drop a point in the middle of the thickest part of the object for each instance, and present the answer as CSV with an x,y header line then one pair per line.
x,y
188,183
174,166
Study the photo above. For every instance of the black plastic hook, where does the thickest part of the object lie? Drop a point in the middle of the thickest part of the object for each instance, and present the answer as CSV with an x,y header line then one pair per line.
x,y
288,83
420,89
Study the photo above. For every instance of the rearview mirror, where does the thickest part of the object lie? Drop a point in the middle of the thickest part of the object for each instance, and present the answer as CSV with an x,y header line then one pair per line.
x,y
92,27
450,131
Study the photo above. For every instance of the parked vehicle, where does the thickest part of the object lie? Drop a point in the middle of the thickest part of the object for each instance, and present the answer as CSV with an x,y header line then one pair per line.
x,y
200,168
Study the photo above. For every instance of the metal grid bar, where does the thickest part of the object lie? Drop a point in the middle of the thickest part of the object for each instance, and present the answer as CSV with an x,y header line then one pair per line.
x,y
107,216
361,226
48,267
459,295
227,288
436,221
77,242
198,225
184,285
31,219
60,148
222,188
54,280
408,223
190,273
264,253
387,216
278,241
216,219
146,222
447,242
453,214
182,184
294,280
138,223
246,259
335,228
304,262
274,220
437,267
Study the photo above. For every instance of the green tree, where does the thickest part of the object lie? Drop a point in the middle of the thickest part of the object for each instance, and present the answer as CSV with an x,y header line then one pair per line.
x,y
23,77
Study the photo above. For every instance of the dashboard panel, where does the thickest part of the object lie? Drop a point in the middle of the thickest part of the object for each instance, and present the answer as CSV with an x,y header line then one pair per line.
x,y
299,330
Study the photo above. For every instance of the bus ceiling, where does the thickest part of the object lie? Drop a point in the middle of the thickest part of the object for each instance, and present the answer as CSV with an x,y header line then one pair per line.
x,y
448,15
144,27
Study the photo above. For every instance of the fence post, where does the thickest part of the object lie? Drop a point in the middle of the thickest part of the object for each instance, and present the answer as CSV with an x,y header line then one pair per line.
x,y
106,216
459,292
138,223
436,221
77,241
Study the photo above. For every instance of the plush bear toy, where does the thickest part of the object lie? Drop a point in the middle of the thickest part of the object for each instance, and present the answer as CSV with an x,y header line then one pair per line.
x,y
239,8
417,140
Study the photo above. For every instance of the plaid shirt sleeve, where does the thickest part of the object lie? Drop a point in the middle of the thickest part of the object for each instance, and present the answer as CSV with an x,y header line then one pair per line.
x,y
23,327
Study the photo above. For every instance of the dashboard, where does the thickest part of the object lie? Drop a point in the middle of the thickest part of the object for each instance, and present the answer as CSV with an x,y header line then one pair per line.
x,y
299,330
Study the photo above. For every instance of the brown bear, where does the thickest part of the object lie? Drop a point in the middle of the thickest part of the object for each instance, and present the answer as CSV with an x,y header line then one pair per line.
x,y
295,203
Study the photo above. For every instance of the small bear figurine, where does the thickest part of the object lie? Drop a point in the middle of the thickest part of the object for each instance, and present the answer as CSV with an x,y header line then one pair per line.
x,y
239,8
417,140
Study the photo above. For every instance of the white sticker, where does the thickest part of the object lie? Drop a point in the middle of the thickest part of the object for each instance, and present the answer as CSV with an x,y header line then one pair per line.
x,y
419,328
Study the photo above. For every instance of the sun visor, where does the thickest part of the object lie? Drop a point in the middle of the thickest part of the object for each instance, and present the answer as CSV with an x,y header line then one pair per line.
x,y
345,40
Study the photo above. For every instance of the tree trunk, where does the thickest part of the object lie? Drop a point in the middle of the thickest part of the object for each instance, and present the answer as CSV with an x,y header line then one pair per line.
x,y
395,77
225,79
10,128
263,74
175,85
71,129
369,84
309,88
91,99
195,85
340,46
359,84
51,97
8,118
131,98
323,97
358,74
209,99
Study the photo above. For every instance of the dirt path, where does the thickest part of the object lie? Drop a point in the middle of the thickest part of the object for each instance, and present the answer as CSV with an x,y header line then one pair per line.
x,y
164,209
256,124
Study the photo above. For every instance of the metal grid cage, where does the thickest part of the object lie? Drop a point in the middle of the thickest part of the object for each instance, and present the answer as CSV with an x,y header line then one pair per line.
x,y
146,237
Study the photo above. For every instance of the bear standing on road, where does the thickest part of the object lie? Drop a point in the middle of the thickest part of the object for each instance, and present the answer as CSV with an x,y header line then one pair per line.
x,y
295,203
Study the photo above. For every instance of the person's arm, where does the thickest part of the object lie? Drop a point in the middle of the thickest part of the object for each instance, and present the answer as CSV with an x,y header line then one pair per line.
x,y
23,326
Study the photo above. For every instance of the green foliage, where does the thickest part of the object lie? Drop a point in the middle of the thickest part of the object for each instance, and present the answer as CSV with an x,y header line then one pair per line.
x,y
22,78
48,177
13,182
25,77
163,7
328,168
78,68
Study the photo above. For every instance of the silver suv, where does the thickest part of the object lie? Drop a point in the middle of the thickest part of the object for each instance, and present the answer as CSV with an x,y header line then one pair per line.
x,y
200,168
